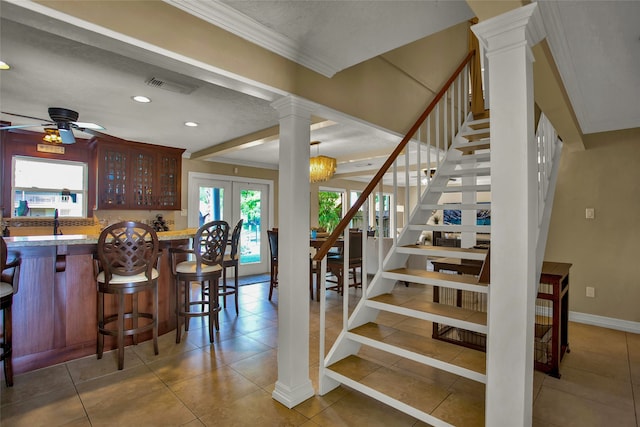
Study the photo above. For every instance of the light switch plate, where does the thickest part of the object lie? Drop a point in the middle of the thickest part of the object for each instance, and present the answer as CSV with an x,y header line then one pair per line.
x,y
590,213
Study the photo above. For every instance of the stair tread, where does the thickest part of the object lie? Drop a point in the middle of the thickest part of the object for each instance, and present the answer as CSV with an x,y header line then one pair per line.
x,y
466,279
479,123
472,148
463,206
476,135
446,249
422,343
423,304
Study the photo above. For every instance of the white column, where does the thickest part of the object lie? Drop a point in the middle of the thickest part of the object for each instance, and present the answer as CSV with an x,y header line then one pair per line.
x,y
293,385
508,39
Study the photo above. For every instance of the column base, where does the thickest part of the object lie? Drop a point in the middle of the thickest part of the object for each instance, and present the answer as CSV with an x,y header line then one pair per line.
x,y
291,397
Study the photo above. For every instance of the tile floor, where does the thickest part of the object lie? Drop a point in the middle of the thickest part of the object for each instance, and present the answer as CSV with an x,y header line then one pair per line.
x,y
229,383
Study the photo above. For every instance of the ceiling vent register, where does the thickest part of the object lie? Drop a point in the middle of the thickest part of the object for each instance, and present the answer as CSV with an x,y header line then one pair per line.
x,y
171,86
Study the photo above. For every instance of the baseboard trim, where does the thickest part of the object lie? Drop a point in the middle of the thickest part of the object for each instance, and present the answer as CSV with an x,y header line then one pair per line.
x,y
605,322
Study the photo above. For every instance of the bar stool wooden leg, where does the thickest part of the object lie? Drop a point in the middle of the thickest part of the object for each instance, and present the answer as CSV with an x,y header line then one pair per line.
x,y
7,317
100,348
120,331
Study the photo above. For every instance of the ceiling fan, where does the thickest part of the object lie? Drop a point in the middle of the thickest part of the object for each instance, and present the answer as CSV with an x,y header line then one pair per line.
x,y
63,118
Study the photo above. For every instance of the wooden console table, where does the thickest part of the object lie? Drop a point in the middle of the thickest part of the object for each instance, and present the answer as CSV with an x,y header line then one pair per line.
x,y
552,339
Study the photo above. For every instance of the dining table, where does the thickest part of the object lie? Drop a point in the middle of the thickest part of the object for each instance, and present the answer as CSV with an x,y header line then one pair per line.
x,y
314,266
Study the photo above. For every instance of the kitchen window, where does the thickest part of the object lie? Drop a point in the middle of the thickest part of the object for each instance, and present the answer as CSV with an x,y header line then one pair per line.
x,y
40,186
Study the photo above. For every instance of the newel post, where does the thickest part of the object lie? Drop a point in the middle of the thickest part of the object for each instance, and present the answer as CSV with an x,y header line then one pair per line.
x,y
508,40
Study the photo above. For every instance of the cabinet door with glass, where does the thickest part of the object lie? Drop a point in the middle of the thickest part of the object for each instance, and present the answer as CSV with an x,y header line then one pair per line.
x,y
138,176
168,186
113,170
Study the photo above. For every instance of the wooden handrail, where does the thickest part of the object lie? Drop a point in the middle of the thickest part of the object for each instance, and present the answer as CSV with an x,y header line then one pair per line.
x,y
344,222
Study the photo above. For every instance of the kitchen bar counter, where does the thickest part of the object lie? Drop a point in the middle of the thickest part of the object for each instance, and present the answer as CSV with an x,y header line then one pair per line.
x,y
54,311
84,239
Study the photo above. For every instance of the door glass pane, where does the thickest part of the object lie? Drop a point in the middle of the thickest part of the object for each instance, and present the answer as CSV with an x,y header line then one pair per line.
x,y
250,212
211,204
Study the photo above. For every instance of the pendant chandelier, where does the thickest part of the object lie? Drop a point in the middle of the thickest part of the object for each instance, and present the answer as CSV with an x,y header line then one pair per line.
x,y
321,168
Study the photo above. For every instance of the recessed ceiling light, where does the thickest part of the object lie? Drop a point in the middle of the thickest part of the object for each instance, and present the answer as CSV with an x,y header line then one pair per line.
x,y
191,124
4,65
140,98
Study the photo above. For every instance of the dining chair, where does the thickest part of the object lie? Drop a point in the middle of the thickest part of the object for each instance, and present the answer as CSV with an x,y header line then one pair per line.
x,y
127,257
273,251
10,275
335,265
231,260
209,245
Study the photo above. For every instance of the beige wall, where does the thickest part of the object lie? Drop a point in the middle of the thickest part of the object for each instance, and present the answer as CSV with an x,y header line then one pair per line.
x,y
604,251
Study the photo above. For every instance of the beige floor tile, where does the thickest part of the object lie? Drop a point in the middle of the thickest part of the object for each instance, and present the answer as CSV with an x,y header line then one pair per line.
x,y
636,394
57,407
268,336
35,383
311,407
212,390
91,367
418,393
461,410
194,423
166,347
262,369
255,409
355,409
444,379
184,365
160,407
613,366
236,349
121,386
596,339
565,409
609,391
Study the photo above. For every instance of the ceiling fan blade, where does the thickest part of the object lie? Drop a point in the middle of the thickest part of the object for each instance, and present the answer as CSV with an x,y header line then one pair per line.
x,y
66,136
26,117
87,125
22,126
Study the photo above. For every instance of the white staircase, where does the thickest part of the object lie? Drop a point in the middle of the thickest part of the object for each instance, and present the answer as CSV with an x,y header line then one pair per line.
x,y
464,169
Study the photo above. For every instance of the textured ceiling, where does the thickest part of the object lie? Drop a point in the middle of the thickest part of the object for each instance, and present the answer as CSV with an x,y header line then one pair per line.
x,y
595,43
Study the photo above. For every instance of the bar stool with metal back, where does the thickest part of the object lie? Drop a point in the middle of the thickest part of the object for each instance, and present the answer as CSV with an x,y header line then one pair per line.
x,y
209,244
127,257
8,288
232,259
273,250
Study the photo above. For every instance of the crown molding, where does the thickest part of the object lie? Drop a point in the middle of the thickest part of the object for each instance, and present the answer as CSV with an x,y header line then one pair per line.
x,y
229,19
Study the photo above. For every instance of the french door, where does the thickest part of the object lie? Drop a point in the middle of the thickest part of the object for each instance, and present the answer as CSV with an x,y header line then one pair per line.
x,y
214,197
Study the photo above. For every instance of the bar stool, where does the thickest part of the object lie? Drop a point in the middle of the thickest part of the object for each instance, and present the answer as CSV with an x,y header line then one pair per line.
x,y
232,259
127,255
209,245
8,288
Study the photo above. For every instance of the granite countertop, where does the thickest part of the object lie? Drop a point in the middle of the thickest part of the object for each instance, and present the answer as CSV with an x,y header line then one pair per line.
x,y
84,239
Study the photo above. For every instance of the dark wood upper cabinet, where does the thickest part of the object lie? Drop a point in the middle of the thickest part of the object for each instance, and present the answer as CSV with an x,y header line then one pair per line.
x,y
138,176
